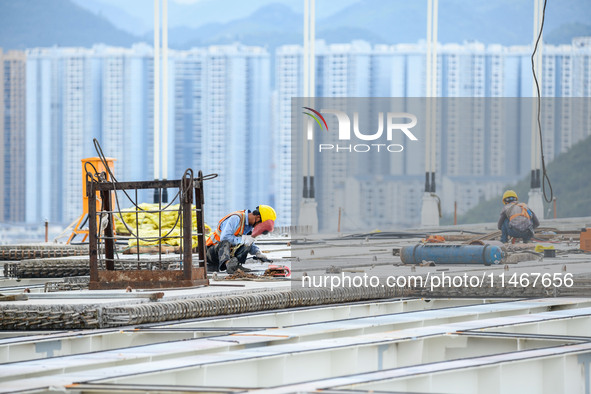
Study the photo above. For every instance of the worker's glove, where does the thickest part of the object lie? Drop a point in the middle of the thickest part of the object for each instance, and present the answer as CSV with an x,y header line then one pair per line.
x,y
262,257
247,240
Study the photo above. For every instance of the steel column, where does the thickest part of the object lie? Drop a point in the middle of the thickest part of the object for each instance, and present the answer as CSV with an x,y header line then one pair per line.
x,y
199,202
186,201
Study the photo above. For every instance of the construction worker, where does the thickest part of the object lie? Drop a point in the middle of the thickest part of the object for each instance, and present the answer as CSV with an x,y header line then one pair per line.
x,y
233,239
517,219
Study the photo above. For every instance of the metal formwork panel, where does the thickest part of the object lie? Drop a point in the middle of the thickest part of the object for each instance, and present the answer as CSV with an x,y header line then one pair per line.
x,y
42,346
562,369
336,352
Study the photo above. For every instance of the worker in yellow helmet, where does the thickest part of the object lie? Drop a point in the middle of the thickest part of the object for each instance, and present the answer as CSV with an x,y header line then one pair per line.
x,y
233,239
517,219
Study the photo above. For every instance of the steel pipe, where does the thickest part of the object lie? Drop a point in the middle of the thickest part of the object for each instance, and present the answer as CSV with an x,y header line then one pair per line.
x,y
452,254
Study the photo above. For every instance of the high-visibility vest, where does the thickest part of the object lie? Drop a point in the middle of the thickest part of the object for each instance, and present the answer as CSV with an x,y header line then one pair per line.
x,y
216,235
523,212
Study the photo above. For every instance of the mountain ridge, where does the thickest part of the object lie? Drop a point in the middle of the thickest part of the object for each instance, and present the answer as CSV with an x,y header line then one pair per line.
x,y
63,22
570,187
38,23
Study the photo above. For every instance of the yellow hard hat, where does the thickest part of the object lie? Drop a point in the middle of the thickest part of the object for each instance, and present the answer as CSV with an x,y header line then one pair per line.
x,y
266,212
509,196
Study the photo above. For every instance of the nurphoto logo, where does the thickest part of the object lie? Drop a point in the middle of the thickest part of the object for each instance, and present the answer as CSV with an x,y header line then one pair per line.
x,y
395,122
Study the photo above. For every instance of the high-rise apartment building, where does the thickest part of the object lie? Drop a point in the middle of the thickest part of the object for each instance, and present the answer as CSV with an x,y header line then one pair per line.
x,y
236,142
12,136
222,125
483,143
222,120
189,110
219,107
75,95
288,84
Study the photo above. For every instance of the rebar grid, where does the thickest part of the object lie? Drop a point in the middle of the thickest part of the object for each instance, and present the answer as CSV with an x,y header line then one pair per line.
x,y
102,234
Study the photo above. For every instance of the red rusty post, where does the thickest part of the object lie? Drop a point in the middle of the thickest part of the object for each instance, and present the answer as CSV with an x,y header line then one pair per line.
x,y
92,238
199,201
186,201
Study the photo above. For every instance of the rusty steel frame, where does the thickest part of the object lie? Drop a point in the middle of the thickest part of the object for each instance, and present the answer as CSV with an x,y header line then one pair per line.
x,y
190,189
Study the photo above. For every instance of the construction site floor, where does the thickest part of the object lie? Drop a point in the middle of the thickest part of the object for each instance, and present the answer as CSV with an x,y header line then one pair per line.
x,y
324,256
283,335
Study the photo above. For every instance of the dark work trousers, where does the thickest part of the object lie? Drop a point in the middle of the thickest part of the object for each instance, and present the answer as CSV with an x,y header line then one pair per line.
x,y
220,253
508,231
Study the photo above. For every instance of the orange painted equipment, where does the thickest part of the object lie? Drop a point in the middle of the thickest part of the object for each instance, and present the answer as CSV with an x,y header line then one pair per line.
x,y
281,271
586,239
434,239
98,165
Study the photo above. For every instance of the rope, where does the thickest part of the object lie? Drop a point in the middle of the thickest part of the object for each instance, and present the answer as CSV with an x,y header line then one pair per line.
x,y
114,182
